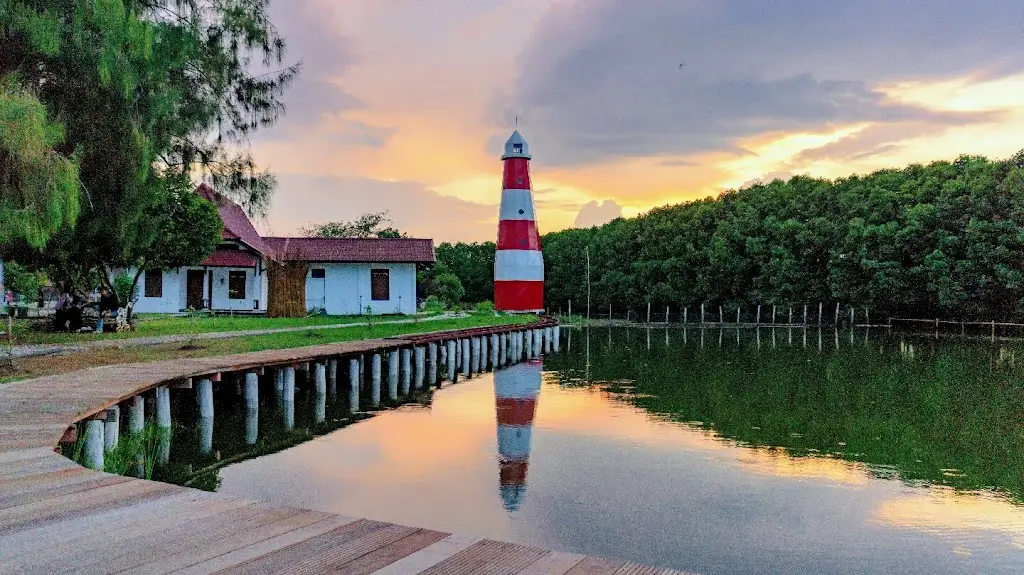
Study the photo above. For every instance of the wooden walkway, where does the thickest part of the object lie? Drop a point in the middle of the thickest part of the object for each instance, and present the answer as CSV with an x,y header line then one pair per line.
x,y
59,517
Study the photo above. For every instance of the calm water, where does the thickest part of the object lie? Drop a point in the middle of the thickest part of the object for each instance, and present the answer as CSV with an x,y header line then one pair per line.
x,y
778,453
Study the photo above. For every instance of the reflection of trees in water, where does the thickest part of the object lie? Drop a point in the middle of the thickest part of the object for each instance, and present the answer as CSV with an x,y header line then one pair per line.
x,y
945,412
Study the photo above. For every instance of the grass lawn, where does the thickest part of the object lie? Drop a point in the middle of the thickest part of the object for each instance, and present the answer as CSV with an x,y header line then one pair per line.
x,y
50,365
157,325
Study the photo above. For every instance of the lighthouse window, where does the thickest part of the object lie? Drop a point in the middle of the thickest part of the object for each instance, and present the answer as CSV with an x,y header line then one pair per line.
x,y
517,148
521,212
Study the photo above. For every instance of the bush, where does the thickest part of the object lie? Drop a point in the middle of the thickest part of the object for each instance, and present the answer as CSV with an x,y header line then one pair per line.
x,y
21,281
123,288
434,304
484,306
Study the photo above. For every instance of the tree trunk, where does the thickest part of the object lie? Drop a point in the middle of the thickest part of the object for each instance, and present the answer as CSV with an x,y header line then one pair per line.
x,y
129,310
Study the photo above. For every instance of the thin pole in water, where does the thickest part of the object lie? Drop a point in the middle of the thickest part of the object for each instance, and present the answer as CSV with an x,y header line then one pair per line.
x,y
588,288
648,311
805,314
758,320
666,315
721,318
738,314
819,313
836,320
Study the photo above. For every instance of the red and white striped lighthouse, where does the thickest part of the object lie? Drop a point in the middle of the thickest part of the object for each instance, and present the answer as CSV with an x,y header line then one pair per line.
x,y
518,263
515,394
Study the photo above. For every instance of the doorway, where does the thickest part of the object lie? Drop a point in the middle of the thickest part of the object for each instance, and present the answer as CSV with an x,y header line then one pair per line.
x,y
194,290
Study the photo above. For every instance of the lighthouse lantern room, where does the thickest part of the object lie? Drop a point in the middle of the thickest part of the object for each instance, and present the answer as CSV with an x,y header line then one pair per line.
x,y
518,263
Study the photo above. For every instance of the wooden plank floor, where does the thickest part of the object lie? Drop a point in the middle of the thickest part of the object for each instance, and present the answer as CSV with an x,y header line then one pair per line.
x,y
58,517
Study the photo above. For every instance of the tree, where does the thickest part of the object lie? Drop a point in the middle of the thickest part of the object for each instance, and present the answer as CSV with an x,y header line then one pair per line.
x,y
147,90
189,228
38,186
373,225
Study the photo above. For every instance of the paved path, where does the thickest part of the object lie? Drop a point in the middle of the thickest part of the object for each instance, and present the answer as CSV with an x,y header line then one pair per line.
x,y
21,351
58,517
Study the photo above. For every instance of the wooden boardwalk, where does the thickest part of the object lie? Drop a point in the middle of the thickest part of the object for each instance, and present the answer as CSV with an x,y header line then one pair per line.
x,y
59,517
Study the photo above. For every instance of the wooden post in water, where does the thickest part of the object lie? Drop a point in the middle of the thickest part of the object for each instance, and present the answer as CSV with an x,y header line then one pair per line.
x,y
570,310
867,316
702,313
666,315
836,320
421,356
993,331
685,309
805,314
851,316
738,308
790,315
648,311
137,415
111,428
758,319
93,449
374,380
405,372
204,394
773,314
627,317
252,392
819,313
353,385
721,318
432,367
393,375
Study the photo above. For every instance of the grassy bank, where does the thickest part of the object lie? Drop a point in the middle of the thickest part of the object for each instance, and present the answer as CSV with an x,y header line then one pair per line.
x,y
26,332
50,365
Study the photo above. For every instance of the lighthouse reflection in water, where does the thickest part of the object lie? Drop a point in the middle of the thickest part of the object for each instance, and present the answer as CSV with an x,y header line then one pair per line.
x,y
515,396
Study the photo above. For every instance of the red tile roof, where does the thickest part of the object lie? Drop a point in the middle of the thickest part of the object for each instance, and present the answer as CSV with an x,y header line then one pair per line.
x,y
236,223
231,259
354,250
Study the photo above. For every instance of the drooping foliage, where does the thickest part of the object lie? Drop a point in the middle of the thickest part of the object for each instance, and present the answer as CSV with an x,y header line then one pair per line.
x,y
946,239
39,191
146,90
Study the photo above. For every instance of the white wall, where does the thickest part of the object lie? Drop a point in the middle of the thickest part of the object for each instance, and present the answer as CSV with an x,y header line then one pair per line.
x,y
175,284
347,289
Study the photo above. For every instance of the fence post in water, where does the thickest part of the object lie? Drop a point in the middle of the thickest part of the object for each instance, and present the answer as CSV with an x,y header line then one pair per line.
x,y
702,312
648,311
805,314
112,428
137,415
556,335
819,312
163,407
93,449
836,320
867,316
374,380
993,330
494,351
790,322
353,385
721,316
204,393
852,322
666,314
738,314
421,355
685,310
757,320
570,310
393,375
466,358
773,315
406,370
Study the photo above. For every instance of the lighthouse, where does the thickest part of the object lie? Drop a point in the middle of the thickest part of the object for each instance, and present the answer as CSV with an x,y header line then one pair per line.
x,y
518,263
515,395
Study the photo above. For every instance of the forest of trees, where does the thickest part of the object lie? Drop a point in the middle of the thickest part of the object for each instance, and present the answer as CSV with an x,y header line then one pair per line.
x,y
942,240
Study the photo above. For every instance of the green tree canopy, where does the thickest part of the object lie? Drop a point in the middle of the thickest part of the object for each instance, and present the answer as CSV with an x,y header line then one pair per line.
x,y
373,225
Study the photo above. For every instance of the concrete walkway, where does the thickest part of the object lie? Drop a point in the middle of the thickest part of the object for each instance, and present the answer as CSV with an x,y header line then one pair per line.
x,y
22,351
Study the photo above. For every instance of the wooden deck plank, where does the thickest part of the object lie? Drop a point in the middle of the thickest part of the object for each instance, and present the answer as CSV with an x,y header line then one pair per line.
x,y
429,556
487,557
206,550
335,547
389,554
265,547
141,550
637,569
596,566
553,563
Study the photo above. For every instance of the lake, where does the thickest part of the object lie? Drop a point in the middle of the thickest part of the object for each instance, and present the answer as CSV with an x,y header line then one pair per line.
x,y
714,451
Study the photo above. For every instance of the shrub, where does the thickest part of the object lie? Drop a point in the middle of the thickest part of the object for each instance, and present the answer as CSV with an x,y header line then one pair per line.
x,y
123,288
484,306
434,304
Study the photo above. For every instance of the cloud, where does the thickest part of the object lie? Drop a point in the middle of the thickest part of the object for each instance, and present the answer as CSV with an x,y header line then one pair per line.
x,y
602,79
767,179
302,199
594,213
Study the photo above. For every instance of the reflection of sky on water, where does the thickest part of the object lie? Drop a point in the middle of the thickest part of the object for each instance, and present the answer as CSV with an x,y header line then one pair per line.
x,y
610,479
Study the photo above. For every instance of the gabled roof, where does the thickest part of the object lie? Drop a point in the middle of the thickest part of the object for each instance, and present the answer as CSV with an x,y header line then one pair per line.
x,y
353,250
236,223
230,259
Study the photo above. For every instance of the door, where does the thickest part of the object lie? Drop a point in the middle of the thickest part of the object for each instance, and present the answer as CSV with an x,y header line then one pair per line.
x,y
316,289
194,291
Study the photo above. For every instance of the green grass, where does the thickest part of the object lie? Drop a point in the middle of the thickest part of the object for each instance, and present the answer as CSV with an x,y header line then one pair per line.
x,y
149,325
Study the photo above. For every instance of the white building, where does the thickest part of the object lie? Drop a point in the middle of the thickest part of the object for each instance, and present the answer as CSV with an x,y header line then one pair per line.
x,y
346,276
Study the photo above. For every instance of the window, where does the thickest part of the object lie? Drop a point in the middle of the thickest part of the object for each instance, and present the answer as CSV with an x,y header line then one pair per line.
x,y
236,285
380,285
318,273
517,148
154,283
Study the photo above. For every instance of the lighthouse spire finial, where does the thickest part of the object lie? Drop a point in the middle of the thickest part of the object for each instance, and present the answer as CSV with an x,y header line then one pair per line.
x,y
517,122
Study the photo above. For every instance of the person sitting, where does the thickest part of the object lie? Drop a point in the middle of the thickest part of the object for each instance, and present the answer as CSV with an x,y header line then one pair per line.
x,y
62,311
107,308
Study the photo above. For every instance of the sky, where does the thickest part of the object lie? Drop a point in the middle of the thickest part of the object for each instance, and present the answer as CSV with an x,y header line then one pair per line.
x,y
403,105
